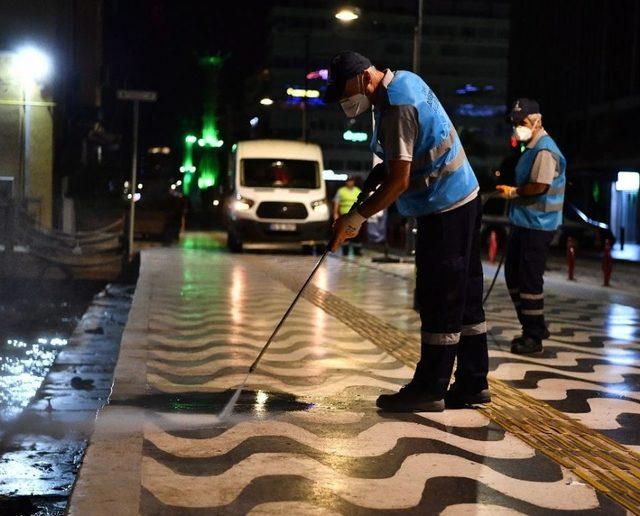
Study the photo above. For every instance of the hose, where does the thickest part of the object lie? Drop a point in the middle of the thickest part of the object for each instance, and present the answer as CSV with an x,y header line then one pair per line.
x,y
502,255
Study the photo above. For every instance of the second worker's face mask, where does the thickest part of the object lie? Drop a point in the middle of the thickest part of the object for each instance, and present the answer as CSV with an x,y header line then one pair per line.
x,y
356,104
523,133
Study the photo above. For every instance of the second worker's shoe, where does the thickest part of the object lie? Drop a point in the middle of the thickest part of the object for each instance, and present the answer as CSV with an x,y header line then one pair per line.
x,y
411,398
459,398
545,336
526,346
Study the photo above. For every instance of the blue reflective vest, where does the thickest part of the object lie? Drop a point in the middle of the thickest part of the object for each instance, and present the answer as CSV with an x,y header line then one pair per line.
x,y
441,175
542,211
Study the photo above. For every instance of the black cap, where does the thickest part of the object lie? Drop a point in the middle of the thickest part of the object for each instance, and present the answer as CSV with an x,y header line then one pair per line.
x,y
521,109
343,66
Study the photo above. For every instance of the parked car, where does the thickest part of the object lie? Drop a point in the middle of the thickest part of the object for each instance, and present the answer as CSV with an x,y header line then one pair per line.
x,y
588,233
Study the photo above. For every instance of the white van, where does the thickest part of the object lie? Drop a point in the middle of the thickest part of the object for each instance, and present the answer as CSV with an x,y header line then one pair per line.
x,y
277,194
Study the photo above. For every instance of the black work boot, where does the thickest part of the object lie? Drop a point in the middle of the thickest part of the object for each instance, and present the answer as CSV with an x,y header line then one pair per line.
x,y
411,398
526,346
458,397
519,339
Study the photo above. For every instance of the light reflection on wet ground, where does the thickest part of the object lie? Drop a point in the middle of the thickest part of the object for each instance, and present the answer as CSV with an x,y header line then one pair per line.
x,y
36,320
23,366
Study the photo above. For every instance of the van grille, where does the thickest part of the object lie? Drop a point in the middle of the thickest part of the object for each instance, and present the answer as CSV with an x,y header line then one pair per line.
x,y
282,210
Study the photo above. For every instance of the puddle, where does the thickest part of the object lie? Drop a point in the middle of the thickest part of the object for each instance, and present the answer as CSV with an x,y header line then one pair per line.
x,y
257,403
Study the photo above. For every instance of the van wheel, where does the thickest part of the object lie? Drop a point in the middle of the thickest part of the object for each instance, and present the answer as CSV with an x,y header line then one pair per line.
x,y
233,243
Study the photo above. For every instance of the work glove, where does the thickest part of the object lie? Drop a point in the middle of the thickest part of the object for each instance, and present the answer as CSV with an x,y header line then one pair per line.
x,y
346,227
507,192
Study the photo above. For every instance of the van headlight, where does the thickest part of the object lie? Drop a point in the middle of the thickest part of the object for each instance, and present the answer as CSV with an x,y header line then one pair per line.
x,y
320,206
242,204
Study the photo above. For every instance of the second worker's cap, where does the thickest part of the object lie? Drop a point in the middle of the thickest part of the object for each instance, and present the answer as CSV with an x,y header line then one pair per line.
x,y
521,109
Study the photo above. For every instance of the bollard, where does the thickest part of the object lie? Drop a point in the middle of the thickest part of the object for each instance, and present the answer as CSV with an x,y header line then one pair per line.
x,y
607,262
571,257
493,246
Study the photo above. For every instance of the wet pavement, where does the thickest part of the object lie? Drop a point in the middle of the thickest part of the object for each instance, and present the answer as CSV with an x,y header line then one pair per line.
x,y
305,436
53,390
37,319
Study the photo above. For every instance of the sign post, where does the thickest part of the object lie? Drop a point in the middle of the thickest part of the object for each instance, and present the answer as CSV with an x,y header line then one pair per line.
x,y
135,96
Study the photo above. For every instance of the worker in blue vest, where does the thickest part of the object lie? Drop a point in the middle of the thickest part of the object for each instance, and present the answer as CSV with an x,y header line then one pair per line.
x,y
429,177
535,214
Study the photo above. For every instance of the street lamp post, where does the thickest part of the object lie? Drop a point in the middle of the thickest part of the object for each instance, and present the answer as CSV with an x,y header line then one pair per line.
x,y
31,66
306,87
417,39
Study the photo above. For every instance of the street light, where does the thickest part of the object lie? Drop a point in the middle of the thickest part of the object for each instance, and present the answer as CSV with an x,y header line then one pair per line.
x,y
31,65
266,101
347,14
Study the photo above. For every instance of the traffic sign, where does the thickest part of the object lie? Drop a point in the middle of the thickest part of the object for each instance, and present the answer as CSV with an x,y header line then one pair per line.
x,y
139,95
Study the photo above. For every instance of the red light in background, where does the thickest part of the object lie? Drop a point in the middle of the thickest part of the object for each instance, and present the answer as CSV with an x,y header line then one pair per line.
x,y
318,74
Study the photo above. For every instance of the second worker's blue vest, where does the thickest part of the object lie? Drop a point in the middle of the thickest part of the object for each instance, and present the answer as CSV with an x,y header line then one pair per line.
x,y
441,175
544,211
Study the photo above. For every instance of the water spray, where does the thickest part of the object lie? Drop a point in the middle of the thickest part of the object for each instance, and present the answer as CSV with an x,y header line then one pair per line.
x,y
228,408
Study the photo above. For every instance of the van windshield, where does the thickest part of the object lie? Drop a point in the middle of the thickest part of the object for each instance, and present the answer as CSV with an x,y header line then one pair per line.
x,y
280,173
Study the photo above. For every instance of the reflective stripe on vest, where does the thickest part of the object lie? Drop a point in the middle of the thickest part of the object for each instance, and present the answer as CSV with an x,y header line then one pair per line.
x,y
419,183
436,152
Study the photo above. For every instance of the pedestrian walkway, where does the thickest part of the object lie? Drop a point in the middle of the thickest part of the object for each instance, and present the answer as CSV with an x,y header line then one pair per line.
x,y
590,368
306,437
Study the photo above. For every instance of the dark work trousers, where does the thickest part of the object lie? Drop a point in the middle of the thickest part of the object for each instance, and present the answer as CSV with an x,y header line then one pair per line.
x,y
523,271
449,283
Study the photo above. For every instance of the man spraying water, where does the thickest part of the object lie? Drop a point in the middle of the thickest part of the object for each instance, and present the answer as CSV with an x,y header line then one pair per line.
x,y
429,177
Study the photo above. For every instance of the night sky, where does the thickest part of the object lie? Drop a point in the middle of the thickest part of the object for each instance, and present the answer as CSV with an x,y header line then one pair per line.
x,y
155,44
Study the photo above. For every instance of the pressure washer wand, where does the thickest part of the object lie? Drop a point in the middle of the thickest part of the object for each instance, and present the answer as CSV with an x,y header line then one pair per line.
x,y
373,180
286,314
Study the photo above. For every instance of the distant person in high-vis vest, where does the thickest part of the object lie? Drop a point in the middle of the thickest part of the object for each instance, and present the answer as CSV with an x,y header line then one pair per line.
x,y
344,199
429,177
535,214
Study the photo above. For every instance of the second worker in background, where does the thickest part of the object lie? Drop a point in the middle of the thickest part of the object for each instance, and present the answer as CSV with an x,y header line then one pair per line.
x,y
534,215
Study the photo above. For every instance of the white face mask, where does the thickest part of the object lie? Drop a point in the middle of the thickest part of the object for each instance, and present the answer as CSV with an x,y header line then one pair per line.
x,y
355,105
522,133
